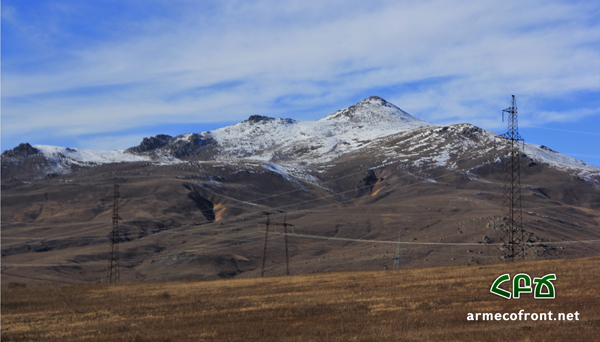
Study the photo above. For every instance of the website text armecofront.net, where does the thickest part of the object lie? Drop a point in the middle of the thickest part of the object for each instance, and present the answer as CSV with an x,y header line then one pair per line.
x,y
523,316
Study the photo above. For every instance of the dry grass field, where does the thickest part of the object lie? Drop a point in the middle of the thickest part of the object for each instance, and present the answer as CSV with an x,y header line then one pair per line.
x,y
406,305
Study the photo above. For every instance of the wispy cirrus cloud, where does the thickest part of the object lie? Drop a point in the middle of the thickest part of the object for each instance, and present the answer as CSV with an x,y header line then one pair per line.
x,y
87,68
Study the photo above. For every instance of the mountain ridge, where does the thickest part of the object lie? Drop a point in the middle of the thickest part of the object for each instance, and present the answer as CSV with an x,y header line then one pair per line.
x,y
278,140
191,204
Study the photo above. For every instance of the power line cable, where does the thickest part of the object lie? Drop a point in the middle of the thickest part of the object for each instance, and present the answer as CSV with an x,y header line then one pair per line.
x,y
563,130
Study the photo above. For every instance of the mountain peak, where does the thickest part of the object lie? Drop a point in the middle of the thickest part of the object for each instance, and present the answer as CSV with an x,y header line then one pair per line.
x,y
374,100
22,150
374,110
259,118
151,143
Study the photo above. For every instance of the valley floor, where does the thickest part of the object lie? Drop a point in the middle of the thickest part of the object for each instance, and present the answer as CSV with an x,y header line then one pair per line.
x,y
390,305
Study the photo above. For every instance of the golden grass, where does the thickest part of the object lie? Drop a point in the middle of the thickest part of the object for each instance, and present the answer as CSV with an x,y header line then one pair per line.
x,y
407,305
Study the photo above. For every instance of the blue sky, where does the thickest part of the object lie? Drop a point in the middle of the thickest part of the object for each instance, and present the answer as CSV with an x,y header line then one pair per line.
x,y
105,74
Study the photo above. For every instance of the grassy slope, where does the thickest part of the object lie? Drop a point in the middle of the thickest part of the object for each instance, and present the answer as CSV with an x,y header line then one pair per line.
x,y
407,305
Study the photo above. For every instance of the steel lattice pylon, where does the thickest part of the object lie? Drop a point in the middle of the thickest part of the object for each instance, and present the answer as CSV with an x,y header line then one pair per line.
x,y
513,247
268,222
113,271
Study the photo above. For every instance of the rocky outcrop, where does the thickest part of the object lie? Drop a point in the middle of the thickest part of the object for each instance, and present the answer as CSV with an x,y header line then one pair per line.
x,y
197,145
21,150
152,143
259,119
255,119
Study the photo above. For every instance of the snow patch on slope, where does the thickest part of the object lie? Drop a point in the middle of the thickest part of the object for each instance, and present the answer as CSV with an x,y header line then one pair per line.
x,y
544,155
88,157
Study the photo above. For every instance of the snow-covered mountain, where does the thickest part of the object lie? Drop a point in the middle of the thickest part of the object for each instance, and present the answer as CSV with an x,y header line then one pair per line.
x,y
364,172
269,139
373,126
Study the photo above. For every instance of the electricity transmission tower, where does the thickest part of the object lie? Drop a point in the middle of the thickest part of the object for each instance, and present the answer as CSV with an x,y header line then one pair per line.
x,y
113,272
513,247
399,259
285,225
262,273
287,255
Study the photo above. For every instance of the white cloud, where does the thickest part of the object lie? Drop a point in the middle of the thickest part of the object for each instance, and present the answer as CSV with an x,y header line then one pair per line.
x,y
320,53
